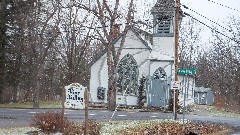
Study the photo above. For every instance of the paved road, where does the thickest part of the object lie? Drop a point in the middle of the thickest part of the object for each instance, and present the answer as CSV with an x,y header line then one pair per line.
x,y
23,117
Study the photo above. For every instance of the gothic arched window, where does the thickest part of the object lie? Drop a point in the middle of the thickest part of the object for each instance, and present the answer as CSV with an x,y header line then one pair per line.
x,y
160,74
127,76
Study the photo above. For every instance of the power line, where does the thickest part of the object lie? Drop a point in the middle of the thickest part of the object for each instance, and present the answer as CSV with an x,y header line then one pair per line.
x,y
207,18
214,29
210,21
224,5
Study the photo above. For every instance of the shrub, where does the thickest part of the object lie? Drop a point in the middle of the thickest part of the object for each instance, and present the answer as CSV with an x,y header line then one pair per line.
x,y
94,127
174,128
51,122
74,129
78,129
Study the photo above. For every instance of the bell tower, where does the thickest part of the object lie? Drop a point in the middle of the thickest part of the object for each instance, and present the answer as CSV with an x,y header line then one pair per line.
x,y
163,15
163,30
162,54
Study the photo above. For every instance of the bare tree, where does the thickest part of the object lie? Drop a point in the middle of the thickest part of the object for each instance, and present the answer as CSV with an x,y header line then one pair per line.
x,y
218,68
74,44
37,61
108,15
189,43
45,33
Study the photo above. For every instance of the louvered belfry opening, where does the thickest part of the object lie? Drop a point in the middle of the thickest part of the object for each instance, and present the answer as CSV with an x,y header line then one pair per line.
x,y
164,26
163,13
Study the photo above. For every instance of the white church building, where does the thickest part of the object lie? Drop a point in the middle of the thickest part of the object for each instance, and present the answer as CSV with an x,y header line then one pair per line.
x,y
143,54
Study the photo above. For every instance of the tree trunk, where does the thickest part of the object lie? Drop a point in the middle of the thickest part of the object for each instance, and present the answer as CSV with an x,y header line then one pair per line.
x,y
38,86
112,88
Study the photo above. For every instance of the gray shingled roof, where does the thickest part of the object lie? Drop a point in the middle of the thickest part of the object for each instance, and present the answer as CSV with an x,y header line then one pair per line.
x,y
164,6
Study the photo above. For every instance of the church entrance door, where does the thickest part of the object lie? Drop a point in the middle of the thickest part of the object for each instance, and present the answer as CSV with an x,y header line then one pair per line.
x,y
158,89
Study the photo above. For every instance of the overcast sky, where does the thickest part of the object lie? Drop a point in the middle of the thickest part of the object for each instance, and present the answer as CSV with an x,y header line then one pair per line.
x,y
211,10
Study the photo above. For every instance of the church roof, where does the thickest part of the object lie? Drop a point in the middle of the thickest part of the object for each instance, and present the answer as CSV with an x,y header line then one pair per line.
x,y
164,6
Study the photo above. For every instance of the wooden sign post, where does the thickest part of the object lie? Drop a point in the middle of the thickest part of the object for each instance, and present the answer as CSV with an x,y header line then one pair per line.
x,y
86,111
63,109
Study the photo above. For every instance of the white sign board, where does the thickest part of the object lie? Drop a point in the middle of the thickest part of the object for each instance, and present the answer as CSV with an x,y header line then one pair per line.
x,y
175,85
75,96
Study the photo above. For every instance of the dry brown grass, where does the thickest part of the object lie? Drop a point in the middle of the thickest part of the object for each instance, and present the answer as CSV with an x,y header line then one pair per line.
x,y
173,128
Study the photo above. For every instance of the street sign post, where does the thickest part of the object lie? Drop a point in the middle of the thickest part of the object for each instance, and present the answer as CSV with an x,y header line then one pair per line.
x,y
175,85
186,71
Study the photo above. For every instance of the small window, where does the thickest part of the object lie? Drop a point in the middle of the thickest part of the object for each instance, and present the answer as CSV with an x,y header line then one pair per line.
x,y
101,93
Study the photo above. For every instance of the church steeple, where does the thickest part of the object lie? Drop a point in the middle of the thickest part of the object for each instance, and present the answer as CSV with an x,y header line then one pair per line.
x,y
163,14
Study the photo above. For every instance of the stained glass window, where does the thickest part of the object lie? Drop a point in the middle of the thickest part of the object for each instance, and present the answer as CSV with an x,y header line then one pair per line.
x,y
160,74
127,76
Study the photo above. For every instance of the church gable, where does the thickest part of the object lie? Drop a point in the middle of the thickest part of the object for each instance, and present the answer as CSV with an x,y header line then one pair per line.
x,y
133,41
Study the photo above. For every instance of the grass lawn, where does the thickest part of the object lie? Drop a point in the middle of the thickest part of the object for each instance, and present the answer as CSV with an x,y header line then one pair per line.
x,y
213,111
42,104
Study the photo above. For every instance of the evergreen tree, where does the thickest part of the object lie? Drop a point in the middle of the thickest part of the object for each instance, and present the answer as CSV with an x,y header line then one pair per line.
x,y
141,92
3,43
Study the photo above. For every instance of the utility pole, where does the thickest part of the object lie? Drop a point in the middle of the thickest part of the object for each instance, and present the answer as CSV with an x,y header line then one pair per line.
x,y
176,92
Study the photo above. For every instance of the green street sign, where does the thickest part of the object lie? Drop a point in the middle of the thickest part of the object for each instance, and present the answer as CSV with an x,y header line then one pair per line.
x,y
186,71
